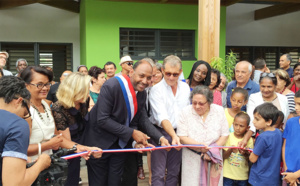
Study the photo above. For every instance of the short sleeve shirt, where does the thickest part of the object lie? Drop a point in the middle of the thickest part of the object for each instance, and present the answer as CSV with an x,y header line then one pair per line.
x,y
292,150
266,170
14,137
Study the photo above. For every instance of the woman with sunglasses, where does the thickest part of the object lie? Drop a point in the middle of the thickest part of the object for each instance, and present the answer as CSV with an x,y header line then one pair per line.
x,y
43,136
200,74
267,83
69,114
283,81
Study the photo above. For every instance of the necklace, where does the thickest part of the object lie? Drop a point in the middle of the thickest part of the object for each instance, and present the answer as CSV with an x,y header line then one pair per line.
x,y
270,101
40,115
283,90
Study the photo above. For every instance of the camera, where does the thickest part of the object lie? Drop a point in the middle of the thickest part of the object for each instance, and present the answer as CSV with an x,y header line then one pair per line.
x,y
56,174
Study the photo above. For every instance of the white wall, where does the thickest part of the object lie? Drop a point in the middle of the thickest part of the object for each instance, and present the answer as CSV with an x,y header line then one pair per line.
x,y
41,23
243,30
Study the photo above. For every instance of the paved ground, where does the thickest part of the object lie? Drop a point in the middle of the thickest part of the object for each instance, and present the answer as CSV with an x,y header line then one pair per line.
x,y
83,174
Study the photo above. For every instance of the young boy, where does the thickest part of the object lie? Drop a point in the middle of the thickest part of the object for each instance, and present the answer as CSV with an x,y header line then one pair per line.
x,y
266,155
236,166
290,148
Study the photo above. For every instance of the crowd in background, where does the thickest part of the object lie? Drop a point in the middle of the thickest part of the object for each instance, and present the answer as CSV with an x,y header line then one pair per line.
x,y
95,108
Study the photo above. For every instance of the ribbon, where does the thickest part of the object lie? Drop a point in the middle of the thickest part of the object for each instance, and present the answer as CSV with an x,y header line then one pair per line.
x,y
147,149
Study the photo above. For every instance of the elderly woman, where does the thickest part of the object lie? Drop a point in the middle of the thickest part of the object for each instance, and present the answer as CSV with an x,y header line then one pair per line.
x,y
283,81
98,79
202,123
267,83
200,74
69,112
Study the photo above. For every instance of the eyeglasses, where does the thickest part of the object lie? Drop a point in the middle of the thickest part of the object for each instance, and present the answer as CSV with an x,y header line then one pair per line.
x,y
168,74
265,74
25,65
27,108
1,57
199,103
41,85
129,63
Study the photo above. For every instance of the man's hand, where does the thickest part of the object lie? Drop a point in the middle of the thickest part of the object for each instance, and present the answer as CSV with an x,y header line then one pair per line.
x,y
291,178
140,146
95,151
44,161
140,137
176,141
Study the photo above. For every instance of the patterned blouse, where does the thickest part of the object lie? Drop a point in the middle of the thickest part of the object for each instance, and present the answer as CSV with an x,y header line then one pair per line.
x,y
70,118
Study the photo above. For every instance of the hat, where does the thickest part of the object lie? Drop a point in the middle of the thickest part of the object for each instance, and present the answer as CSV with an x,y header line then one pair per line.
x,y
3,52
125,59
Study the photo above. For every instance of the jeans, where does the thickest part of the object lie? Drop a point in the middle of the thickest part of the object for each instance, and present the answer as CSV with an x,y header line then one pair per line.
x,y
230,182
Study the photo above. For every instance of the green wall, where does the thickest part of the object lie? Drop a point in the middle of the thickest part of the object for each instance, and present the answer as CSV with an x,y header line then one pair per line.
x,y
100,22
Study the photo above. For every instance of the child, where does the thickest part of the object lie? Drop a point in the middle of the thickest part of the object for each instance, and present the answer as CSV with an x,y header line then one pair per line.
x,y
290,148
236,166
266,154
238,98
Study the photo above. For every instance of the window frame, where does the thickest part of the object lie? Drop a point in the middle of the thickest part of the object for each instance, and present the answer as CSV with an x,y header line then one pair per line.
x,y
157,40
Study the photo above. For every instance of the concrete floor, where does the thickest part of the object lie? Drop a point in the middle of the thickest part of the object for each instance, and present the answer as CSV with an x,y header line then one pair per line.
x,y
83,174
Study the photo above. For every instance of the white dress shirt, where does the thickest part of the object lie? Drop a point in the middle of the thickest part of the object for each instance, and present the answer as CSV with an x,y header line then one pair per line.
x,y
165,105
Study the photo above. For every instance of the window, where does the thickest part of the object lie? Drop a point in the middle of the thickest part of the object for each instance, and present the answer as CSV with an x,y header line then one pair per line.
x,y
56,55
270,54
157,44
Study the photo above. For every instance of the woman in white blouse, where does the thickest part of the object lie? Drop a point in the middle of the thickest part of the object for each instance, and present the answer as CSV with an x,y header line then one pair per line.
x,y
267,83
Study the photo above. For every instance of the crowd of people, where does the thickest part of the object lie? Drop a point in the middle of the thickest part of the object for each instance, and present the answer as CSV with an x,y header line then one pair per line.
x,y
243,132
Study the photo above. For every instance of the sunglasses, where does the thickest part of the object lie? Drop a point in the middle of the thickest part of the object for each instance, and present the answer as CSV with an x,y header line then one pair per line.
x,y
129,63
265,74
168,74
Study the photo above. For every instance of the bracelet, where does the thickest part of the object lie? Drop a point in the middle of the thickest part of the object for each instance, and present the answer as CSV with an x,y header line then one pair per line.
x,y
40,148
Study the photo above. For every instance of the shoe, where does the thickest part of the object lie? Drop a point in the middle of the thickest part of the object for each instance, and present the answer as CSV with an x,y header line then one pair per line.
x,y
80,181
141,174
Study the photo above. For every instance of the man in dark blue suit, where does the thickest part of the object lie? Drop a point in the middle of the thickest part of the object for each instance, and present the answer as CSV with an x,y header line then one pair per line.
x,y
114,125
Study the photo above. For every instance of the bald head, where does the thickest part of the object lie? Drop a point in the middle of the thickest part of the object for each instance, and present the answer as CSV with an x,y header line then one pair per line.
x,y
243,71
65,74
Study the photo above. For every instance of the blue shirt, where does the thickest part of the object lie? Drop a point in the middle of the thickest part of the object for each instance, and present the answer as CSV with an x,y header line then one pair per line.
x,y
251,87
290,71
292,150
14,137
266,170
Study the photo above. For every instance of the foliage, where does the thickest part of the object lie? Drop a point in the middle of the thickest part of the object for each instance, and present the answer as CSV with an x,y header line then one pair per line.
x,y
225,66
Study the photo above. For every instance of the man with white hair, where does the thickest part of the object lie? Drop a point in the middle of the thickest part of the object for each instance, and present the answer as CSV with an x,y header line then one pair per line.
x,y
21,64
243,70
3,59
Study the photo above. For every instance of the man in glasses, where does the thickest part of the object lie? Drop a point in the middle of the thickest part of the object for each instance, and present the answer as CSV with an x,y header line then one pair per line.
x,y
167,98
14,134
21,64
126,63
3,59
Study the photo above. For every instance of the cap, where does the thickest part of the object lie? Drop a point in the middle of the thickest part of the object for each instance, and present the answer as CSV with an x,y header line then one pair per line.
x,y
3,52
125,59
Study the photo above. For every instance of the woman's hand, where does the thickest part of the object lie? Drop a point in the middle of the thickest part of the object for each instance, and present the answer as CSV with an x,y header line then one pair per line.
x,y
55,142
206,157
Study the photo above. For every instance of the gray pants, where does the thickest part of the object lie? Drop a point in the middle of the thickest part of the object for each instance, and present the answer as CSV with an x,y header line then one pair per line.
x,y
162,160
